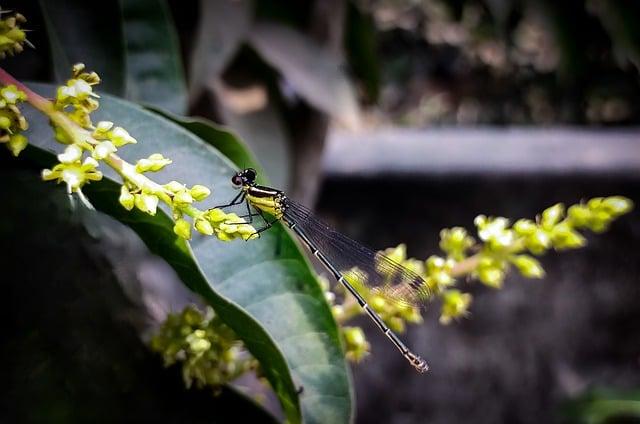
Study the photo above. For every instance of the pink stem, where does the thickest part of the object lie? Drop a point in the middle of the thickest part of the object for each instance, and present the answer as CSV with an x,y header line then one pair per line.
x,y
33,98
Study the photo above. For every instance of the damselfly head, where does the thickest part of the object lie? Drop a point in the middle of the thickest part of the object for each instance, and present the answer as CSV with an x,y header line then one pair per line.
x,y
244,177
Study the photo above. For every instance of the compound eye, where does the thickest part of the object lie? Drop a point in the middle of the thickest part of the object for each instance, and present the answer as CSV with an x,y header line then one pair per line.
x,y
236,180
250,174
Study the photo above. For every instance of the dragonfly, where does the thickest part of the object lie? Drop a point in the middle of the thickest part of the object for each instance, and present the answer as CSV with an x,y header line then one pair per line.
x,y
352,264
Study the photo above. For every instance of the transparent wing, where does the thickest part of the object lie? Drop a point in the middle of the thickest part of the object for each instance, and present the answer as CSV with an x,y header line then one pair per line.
x,y
361,266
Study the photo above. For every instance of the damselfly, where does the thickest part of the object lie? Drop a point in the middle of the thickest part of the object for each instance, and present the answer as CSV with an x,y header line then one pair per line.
x,y
345,258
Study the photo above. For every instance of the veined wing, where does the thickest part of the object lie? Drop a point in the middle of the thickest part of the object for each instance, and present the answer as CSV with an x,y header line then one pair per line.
x,y
361,266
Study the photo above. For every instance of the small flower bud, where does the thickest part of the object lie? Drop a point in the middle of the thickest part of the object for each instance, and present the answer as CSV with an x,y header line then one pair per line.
x,y
199,192
119,136
182,198
215,216
579,215
71,154
102,130
524,227
538,242
182,228
174,186
147,203
17,143
103,149
154,163
455,304
617,205
203,226
564,237
551,216
126,199
528,266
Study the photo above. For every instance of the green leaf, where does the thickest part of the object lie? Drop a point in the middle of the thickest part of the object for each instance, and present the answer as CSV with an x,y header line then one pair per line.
x,y
153,63
263,289
599,406
222,138
87,32
131,44
68,312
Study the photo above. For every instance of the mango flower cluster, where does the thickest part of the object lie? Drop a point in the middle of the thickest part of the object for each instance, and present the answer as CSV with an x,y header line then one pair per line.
x,y
499,248
88,146
12,122
209,352
557,228
12,36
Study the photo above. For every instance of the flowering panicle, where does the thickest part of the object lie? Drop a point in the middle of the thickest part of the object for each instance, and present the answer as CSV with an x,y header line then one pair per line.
x,y
12,122
210,353
12,36
89,146
500,248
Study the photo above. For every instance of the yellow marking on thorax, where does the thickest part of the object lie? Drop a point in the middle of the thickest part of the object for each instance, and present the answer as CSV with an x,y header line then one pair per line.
x,y
270,205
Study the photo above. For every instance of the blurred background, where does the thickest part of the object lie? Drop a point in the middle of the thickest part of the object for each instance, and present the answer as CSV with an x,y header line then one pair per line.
x,y
434,111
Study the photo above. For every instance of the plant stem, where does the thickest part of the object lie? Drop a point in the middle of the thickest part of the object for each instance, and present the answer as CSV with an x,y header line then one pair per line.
x,y
83,138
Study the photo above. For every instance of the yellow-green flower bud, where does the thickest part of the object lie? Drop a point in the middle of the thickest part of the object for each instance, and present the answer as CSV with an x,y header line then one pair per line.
x,y
222,235
174,186
538,242
564,237
378,303
72,153
103,149
199,192
397,254
551,216
17,143
579,215
154,163
528,266
182,198
490,272
197,341
524,227
455,304
126,199
215,215
337,311
11,95
455,242
396,324
203,226
102,130
182,228
354,336
147,203
5,120
119,136
617,205
357,346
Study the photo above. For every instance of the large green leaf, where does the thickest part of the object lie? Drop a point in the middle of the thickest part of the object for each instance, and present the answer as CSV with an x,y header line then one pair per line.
x,y
223,139
131,44
153,64
71,327
263,289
